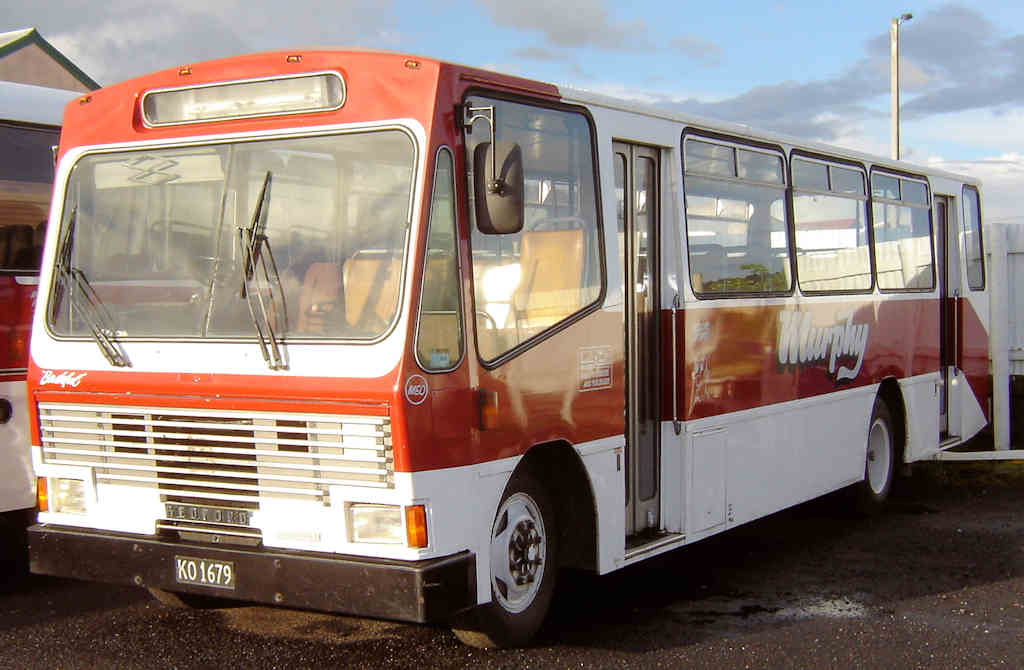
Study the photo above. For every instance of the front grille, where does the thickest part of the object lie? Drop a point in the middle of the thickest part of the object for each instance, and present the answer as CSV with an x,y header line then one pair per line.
x,y
220,457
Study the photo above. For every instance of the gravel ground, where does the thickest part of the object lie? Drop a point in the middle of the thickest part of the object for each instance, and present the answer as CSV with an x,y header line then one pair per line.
x,y
935,582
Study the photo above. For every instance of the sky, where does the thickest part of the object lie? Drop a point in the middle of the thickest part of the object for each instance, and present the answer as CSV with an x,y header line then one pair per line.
x,y
809,69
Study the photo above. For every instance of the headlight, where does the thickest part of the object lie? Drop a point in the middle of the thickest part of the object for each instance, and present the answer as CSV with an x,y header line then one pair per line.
x,y
380,524
66,496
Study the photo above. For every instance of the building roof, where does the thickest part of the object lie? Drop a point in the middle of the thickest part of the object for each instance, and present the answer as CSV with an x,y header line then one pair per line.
x,y
27,58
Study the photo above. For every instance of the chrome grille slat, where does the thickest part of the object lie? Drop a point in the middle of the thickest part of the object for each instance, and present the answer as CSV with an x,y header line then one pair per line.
x,y
180,424
190,456
201,484
235,475
359,458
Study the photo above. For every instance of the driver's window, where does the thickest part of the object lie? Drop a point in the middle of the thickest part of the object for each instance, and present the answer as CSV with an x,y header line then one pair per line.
x,y
533,280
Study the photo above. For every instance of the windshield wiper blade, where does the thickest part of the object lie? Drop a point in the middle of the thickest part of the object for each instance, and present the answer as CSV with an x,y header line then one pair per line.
x,y
97,317
85,299
265,305
252,238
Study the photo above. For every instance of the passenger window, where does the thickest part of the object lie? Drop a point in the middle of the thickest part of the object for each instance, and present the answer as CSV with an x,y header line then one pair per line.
x,y
736,219
971,230
830,210
26,181
439,338
528,282
904,259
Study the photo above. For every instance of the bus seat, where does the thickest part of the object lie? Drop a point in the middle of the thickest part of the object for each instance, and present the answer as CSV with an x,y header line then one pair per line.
x,y
321,291
28,258
370,281
19,242
549,290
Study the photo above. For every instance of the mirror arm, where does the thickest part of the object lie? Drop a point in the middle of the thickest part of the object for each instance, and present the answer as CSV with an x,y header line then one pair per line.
x,y
494,185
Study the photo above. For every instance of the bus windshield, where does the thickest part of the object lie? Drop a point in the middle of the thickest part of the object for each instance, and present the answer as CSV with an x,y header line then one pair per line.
x,y
178,242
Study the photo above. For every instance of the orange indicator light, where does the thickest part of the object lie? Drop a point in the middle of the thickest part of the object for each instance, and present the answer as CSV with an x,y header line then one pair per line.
x,y
42,495
416,526
488,409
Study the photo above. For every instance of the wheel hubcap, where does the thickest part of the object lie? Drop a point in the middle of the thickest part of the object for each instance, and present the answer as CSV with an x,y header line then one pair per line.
x,y
518,543
879,456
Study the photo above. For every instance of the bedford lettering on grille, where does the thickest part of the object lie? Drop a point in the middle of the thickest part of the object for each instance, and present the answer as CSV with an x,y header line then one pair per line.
x,y
237,517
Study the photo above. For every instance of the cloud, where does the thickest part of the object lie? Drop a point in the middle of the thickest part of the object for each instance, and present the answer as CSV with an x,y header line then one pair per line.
x,y
120,39
984,69
969,62
698,49
582,23
539,54
1001,176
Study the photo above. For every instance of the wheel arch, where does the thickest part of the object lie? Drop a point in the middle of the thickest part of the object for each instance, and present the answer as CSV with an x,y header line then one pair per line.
x,y
560,470
890,393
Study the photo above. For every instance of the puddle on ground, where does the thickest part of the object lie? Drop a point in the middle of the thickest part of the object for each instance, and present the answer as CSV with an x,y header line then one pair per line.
x,y
724,609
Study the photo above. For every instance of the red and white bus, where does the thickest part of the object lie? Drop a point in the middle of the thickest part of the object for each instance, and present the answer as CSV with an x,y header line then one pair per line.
x,y
29,130
376,334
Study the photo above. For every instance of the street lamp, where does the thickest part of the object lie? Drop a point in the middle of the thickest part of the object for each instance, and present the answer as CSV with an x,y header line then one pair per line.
x,y
894,80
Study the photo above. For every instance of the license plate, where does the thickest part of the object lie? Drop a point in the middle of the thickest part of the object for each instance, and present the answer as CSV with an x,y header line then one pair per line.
x,y
201,514
204,572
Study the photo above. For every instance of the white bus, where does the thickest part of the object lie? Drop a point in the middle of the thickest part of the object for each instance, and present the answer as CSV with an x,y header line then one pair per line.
x,y
30,119
379,334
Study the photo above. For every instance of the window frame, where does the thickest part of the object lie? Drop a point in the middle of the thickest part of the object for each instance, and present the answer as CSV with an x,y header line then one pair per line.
x,y
599,300
981,238
737,142
828,161
901,175
461,322
75,157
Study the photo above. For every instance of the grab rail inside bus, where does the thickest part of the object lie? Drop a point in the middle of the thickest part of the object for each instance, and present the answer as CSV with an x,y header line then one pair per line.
x,y
676,425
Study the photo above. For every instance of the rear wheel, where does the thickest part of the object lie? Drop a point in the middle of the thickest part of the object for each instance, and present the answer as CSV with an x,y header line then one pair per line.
x,y
524,561
880,465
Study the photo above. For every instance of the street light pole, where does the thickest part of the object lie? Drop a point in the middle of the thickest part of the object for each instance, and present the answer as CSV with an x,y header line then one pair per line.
x,y
894,81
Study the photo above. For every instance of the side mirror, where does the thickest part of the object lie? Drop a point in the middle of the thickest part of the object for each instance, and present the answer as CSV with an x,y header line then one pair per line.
x,y
498,190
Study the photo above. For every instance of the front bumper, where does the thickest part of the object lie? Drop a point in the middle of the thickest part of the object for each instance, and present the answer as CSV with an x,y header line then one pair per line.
x,y
420,591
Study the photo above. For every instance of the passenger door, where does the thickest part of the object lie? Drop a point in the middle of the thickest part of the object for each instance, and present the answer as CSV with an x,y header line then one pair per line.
x,y
949,329
637,194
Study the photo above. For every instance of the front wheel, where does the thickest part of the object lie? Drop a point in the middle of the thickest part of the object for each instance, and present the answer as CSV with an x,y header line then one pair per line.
x,y
880,465
524,561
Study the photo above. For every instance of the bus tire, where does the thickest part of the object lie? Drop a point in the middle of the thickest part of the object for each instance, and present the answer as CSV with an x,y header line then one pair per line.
x,y
523,567
181,600
880,461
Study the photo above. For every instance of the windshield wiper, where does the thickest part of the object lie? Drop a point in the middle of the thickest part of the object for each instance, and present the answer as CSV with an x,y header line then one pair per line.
x,y
266,305
84,299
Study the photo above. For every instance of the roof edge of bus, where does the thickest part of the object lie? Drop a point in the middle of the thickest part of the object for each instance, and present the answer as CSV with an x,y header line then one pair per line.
x,y
594,99
469,73
28,103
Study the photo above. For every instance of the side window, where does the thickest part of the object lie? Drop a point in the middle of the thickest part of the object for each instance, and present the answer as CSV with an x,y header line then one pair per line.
x,y
26,180
736,219
830,211
904,259
530,281
973,250
439,338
